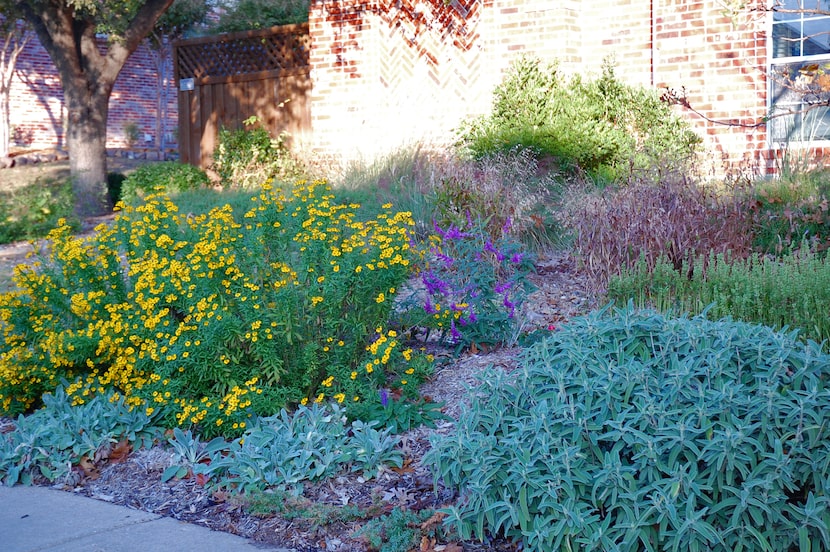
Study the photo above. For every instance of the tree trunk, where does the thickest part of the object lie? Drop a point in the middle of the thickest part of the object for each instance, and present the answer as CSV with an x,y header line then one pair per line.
x,y
86,139
5,125
88,69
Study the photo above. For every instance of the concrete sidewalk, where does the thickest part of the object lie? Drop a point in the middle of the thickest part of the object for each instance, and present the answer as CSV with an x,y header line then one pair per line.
x,y
41,519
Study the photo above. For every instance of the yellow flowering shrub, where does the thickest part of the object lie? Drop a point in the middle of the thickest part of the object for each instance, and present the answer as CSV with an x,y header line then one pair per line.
x,y
211,318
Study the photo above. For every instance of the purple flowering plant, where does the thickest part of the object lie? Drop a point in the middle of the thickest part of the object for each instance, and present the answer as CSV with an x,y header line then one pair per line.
x,y
474,284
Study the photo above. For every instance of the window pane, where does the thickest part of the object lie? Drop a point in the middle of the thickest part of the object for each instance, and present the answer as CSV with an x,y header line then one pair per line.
x,y
786,39
800,93
816,36
786,5
814,8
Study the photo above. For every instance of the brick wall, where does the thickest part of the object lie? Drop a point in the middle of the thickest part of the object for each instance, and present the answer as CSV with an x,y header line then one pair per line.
x,y
38,111
390,72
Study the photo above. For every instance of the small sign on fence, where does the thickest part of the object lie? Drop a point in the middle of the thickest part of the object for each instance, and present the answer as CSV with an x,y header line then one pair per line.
x,y
186,84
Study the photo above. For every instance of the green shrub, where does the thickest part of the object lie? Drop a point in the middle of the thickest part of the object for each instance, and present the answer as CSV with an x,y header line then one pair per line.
x,y
213,318
166,177
630,431
600,125
787,292
246,157
32,211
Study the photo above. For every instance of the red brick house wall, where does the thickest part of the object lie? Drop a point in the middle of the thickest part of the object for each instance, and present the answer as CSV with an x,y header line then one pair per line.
x,y
389,71
38,111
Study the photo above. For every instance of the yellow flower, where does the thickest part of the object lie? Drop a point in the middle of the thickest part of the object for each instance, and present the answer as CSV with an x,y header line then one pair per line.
x,y
380,298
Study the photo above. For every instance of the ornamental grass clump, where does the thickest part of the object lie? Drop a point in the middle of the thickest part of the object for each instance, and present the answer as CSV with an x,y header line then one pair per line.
x,y
675,218
212,318
629,430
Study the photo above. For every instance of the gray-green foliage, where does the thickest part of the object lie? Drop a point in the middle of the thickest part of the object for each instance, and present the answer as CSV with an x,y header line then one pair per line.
x,y
601,125
628,430
311,444
190,454
53,439
788,292
166,177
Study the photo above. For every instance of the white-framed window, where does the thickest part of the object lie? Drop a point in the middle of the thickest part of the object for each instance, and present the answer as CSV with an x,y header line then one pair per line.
x,y
799,72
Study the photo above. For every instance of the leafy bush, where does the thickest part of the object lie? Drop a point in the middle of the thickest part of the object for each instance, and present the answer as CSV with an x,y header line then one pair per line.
x,y
244,15
629,431
213,318
674,218
246,157
32,211
49,442
602,125
788,292
166,177
474,286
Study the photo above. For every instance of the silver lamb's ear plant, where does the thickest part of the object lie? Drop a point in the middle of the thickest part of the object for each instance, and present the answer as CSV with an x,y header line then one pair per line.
x,y
284,451
51,440
628,429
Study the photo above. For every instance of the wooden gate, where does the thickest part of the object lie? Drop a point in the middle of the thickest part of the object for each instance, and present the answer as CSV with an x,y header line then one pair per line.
x,y
223,80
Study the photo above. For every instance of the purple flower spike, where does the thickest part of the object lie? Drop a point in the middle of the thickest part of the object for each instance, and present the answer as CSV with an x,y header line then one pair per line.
x,y
434,284
447,260
454,331
451,233
384,398
503,287
509,305
428,308
517,258
508,224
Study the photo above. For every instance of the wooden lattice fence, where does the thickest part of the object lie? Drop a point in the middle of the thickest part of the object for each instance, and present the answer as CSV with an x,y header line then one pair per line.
x,y
225,79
